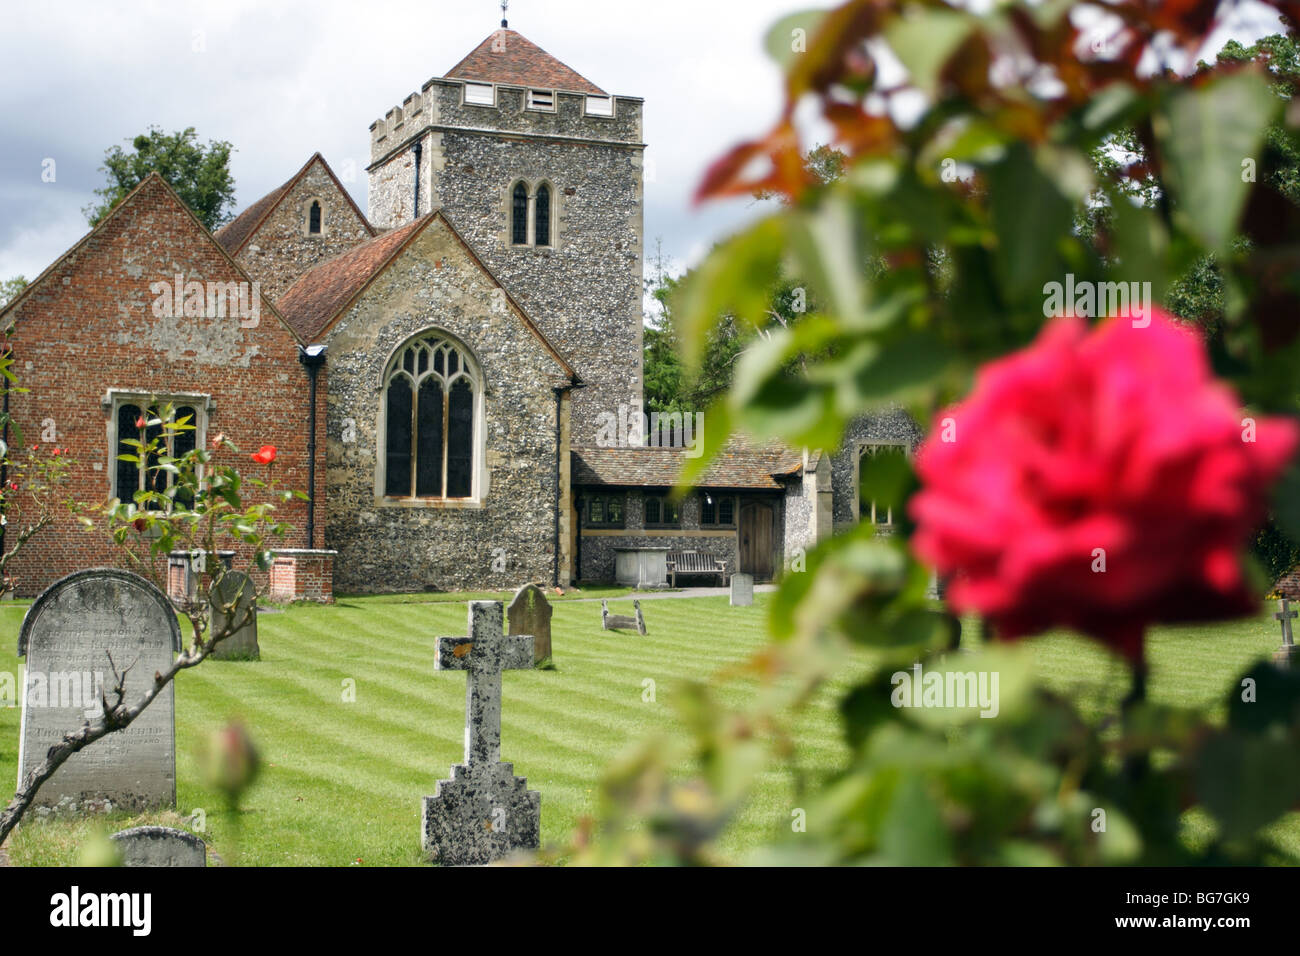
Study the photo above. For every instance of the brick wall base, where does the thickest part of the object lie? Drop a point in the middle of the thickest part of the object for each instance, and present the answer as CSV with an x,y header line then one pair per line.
x,y
1288,585
303,575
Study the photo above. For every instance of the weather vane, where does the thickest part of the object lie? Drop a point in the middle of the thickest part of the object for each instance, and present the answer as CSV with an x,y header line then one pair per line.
x,y
504,6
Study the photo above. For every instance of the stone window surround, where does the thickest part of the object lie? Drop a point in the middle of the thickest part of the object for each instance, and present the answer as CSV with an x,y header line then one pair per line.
x,y
532,186
115,398
613,107
528,100
556,94
860,446
464,94
478,469
305,206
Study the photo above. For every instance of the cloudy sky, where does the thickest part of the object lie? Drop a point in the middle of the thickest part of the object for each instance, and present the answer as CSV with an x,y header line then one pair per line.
x,y
281,79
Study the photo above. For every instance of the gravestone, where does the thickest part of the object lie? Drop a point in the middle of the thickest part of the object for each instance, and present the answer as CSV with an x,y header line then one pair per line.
x,y
622,622
233,602
530,613
81,629
1287,652
160,846
742,590
484,812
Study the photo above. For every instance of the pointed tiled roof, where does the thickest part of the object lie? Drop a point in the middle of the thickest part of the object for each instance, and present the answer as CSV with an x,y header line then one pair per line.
x,y
148,189
322,294
509,57
739,464
236,233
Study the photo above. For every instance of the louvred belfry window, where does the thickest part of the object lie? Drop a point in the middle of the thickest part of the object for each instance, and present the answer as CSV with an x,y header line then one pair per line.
x,y
429,421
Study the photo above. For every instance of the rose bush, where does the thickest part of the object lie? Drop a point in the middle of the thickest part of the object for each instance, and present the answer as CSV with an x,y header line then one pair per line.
x,y
1101,480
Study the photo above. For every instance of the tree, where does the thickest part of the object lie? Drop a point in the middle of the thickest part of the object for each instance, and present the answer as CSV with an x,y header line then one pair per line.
x,y
669,385
199,174
10,289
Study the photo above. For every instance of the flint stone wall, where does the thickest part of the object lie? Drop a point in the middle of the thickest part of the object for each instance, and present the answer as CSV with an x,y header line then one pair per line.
x,y
388,545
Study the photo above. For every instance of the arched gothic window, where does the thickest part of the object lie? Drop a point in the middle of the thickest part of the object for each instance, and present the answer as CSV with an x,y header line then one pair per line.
x,y
429,421
542,220
313,218
519,216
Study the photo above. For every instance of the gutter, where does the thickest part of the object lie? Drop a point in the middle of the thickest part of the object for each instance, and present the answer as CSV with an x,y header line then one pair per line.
x,y
312,358
559,466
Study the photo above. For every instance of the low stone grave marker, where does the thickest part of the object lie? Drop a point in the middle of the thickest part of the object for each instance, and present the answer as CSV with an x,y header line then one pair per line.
x,y
79,633
484,812
1287,652
530,613
622,622
160,846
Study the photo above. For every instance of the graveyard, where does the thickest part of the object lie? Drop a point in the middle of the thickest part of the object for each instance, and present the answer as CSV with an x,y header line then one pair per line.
x,y
342,782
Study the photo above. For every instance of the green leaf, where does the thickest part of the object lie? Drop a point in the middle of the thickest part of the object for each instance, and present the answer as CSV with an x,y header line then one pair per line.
x,y
1247,781
783,43
736,278
1205,133
923,38
1030,215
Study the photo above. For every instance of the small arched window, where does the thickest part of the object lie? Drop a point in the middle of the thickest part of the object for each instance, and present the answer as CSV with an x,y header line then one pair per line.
x,y
519,216
313,218
542,220
429,421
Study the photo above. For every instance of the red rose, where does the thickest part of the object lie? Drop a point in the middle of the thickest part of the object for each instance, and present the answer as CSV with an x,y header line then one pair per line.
x,y
140,422
140,524
264,455
1100,480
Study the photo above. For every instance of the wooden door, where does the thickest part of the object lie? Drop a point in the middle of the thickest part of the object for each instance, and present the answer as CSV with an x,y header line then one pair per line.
x,y
756,540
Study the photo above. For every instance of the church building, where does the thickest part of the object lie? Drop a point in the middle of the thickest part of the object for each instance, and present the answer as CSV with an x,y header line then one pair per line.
x,y
438,372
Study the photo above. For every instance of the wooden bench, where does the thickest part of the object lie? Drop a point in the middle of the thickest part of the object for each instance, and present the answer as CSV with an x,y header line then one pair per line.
x,y
616,622
695,562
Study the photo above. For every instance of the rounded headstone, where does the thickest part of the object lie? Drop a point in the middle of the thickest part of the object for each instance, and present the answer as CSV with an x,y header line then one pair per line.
x,y
81,631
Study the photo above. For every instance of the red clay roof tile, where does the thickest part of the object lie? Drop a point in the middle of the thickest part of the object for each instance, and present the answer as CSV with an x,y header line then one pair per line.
x,y
509,57
738,465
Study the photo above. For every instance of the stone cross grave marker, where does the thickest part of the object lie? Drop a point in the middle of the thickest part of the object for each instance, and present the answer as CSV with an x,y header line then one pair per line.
x,y
1284,654
77,633
233,603
742,590
530,613
484,812
160,846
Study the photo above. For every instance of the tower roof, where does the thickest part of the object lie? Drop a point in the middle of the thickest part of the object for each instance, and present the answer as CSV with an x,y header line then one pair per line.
x,y
509,57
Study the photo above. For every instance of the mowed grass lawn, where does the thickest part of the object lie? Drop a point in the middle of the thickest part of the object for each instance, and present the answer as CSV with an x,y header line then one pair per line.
x,y
341,782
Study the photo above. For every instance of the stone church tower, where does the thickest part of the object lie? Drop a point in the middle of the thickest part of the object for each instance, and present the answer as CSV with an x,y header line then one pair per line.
x,y
541,171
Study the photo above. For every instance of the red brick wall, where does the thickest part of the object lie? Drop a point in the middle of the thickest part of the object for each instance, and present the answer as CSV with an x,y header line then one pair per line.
x,y
90,327
303,576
